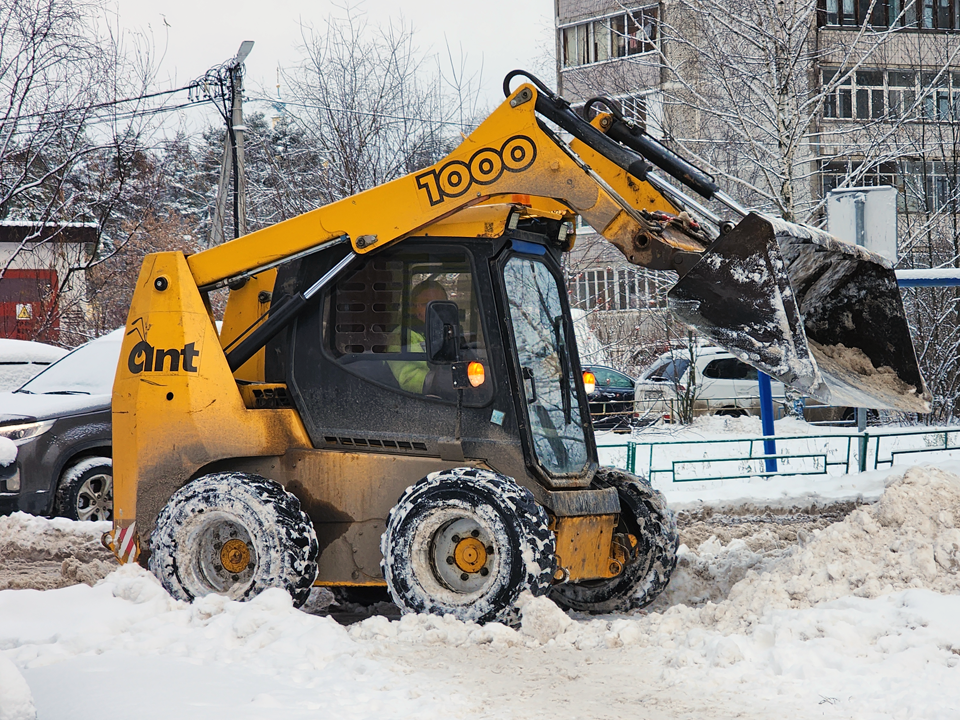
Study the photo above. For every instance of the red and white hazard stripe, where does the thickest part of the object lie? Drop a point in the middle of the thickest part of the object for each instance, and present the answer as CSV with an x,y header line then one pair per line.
x,y
127,543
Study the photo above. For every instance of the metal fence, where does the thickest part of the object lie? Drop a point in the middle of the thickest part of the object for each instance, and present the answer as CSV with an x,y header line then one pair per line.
x,y
743,457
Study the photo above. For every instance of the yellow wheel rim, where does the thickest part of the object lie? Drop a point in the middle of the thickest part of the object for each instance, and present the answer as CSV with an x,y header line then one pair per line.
x,y
235,556
470,555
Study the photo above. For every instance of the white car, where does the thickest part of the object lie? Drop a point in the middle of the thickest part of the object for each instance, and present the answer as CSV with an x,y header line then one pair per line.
x,y
20,360
723,385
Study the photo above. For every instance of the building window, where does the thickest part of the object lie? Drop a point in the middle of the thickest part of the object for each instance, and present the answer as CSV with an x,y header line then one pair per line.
x,y
917,14
617,289
873,94
614,36
851,173
642,109
931,185
902,92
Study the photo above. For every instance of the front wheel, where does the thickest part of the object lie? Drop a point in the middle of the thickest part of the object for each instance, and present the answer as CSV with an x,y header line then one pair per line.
x,y
466,542
645,515
85,490
234,534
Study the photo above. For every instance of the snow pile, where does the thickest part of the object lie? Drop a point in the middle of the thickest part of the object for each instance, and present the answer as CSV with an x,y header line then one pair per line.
x,y
907,540
435,630
541,619
16,701
30,537
49,532
709,573
8,452
260,653
32,547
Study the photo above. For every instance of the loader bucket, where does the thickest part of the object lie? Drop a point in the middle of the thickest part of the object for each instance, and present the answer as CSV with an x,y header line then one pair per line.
x,y
812,311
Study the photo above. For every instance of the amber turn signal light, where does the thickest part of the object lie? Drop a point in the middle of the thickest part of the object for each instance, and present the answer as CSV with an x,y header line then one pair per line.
x,y
589,381
475,374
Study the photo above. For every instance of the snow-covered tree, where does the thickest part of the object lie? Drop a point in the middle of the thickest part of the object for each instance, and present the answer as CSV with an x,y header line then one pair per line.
x,y
68,148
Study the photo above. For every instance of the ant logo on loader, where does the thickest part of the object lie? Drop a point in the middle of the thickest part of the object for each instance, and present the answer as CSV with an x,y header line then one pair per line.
x,y
144,357
486,166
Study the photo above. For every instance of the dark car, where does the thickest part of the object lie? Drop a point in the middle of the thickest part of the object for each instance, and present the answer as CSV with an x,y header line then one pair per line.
x,y
611,403
61,426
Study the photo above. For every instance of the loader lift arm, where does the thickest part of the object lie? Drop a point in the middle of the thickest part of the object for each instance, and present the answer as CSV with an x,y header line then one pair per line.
x,y
510,153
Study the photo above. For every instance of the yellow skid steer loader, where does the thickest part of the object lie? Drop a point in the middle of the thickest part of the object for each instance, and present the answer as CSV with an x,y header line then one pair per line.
x,y
395,399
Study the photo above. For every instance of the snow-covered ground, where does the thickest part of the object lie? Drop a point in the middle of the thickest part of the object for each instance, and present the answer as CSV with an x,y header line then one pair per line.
x,y
858,619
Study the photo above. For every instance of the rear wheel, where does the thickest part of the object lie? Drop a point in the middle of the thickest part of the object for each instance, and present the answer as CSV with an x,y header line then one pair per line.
x,y
234,534
85,490
645,515
466,542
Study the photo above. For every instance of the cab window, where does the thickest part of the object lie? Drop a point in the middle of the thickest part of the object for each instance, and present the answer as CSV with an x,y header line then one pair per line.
x,y
375,321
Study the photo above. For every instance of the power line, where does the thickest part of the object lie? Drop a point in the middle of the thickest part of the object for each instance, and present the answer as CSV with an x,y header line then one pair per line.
x,y
98,106
118,117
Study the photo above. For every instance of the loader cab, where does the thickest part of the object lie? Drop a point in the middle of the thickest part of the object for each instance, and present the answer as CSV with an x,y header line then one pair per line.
x,y
357,366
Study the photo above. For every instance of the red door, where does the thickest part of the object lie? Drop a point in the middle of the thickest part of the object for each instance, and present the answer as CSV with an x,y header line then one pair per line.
x,y
28,305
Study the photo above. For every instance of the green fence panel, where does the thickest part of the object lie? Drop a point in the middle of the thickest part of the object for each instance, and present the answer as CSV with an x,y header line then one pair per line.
x,y
834,451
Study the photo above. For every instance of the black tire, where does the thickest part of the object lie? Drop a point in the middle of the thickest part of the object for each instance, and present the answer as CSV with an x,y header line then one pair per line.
x,y
505,547
85,490
645,515
731,412
236,518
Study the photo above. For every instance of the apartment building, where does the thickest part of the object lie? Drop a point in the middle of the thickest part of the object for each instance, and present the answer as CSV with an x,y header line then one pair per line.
x,y
783,102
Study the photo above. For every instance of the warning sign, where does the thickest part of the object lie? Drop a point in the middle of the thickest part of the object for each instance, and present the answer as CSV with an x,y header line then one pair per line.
x,y
24,311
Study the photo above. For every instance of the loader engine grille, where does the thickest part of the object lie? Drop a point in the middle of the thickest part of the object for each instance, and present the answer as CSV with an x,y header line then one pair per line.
x,y
375,443
260,397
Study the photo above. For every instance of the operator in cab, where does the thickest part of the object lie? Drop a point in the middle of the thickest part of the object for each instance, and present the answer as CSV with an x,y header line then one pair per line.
x,y
412,375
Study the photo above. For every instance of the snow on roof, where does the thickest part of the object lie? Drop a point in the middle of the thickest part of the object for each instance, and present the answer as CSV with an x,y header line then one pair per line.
x,y
34,223
28,351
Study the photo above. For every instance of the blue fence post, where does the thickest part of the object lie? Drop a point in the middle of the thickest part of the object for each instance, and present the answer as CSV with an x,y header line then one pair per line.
x,y
632,457
766,421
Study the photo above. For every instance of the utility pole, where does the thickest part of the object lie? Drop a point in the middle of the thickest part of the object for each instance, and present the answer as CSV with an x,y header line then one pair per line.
x,y
225,83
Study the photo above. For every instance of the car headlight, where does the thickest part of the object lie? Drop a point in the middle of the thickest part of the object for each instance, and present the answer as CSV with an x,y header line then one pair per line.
x,y
25,431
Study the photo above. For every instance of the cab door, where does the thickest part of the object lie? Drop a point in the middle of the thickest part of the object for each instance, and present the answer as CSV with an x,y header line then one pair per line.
x,y
552,406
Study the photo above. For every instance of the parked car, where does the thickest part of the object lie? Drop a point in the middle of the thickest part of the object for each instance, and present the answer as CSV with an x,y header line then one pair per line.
x,y
60,423
20,360
725,386
611,402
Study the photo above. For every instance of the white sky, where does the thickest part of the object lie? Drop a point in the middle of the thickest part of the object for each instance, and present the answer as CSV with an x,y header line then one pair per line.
x,y
495,35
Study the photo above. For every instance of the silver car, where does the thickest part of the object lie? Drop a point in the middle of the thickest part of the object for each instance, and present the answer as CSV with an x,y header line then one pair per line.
x,y
722,385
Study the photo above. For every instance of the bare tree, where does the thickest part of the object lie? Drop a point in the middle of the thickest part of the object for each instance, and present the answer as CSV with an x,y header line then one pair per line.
x,y
68,147
372,107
